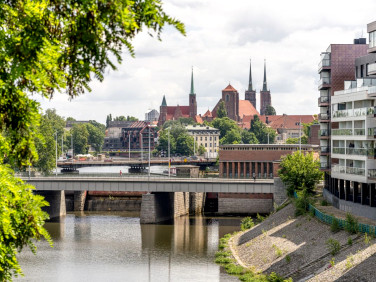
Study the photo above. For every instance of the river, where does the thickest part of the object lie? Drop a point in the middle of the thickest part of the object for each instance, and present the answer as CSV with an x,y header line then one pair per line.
x,y
116,247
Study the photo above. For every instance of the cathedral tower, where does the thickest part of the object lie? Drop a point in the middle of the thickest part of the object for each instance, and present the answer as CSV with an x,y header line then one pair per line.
x,y
250,94
163,112
265,97
192,100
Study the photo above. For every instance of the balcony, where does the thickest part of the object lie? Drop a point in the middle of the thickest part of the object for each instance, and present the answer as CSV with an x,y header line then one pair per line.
x,y
369,152
324,117
325,149
372,173
324,82
339,150
324,63
324,165
343,131
323,101
324,132
349,170
354,112
372,69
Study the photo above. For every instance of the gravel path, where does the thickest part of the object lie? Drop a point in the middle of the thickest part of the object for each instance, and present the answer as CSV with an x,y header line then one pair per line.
x,y
297,248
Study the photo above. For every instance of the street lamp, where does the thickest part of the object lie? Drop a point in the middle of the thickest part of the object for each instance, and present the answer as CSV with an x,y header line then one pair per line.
x,y
56,154
129,145
149,152
169,163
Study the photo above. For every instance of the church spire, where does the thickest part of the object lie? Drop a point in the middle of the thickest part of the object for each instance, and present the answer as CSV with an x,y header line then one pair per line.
x,y
264,85
192,84
250,87
164,101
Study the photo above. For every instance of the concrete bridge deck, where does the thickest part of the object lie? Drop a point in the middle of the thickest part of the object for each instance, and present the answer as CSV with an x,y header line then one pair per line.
x,y
145,184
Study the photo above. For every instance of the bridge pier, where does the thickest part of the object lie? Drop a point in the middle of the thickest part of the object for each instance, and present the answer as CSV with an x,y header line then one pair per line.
x,y
162,206
79,198
56,199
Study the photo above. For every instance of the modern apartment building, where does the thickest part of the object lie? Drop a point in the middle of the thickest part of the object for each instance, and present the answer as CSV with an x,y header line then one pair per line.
x,y
348,135
337,64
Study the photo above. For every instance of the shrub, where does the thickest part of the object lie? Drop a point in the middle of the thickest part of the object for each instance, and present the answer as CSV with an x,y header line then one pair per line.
x,y
288,259
278,251
351,225
332,262
367,239
333,246
334,227
302,203
247,223
234,269
274,277
260,218
223,260
324,202
349,241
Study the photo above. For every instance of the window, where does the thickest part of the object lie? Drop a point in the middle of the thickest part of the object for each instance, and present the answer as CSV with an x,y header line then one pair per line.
x,y
361,70
206,144
206,138
215,138
196,138
210,138
201,138
210,144
227,98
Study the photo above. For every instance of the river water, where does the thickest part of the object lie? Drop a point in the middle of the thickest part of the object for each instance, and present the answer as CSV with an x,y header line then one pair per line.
x,y
116,247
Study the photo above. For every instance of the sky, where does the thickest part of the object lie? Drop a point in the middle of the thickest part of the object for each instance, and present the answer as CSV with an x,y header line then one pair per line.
x,y
222,37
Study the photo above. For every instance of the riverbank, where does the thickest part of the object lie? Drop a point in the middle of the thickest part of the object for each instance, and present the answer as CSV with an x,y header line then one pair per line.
x,y
297,247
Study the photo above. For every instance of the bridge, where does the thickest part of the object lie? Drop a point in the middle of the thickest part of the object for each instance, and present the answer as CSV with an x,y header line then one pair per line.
x,y
168,197
134,163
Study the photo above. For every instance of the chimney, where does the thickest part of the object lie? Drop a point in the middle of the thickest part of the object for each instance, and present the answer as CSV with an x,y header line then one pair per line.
x,y
267,120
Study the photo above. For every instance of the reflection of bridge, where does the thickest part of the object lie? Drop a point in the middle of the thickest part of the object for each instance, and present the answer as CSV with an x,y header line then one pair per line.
x,y
168,197
134,163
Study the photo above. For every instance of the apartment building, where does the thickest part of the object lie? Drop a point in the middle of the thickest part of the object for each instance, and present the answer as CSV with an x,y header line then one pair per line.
x,y
348,135
206,136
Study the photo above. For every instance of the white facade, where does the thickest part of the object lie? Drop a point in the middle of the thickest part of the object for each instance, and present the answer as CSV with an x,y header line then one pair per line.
x,y
353,131
206,136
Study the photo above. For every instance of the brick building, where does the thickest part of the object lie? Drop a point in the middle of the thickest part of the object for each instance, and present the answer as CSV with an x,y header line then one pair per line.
x,y
260,161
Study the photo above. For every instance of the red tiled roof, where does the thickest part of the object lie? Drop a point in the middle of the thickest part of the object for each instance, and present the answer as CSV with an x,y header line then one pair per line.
x,y
287,121
199,119
246,109
177,111
229,88
208,114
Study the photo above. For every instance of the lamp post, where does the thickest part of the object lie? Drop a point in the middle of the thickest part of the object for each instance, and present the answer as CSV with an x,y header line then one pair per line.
x,y
56,154
149,153
129,145
300,135
142,153
169,163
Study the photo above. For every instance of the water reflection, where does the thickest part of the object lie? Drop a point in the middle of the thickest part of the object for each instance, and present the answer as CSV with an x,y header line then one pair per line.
x,y
116,247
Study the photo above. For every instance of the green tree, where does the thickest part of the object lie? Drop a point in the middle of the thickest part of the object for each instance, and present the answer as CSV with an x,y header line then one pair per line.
x,y
163,142
71,119
96,137
248,137
300,171
201,150
130,118
270,111
120,118
292,140
80,138
224,125
184,145
108,119
232,137
45,141
221,112
50,47
21,220
263,133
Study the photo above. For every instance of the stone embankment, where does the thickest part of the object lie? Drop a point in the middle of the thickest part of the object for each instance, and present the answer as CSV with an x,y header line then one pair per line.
x,y
297,247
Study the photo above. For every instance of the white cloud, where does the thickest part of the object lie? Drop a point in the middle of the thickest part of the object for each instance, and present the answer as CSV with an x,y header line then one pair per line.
x,y
221,38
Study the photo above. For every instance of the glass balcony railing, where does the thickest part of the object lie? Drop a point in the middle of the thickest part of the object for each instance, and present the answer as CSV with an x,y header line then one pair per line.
x,y
372,68
324,116
324,165
354,112
348,170
343,131
354,151
324,80
371,131
359,131
338,150
324,132
372,173
324,63
325,149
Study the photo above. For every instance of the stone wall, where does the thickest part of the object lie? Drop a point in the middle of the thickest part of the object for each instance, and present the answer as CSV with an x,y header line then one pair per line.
x,y
244,203
196,202
351,207
113,204
56,199
181,203
280,194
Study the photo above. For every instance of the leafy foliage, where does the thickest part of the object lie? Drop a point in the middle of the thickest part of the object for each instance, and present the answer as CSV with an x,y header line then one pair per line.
x,y
299,171
263,133
249,137
351,225
270,111
333,246
247,223
21,220
221,112
201,150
